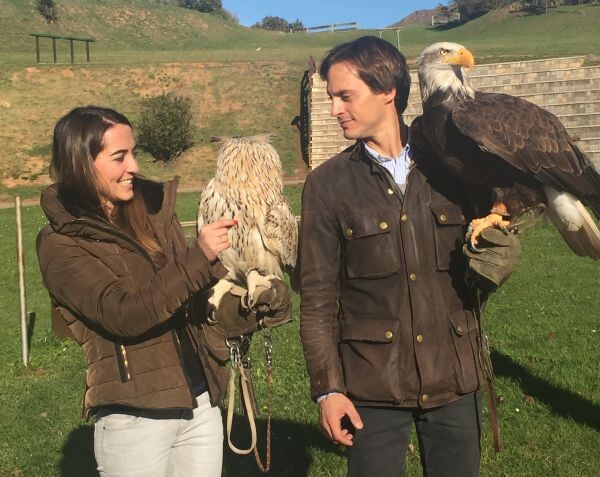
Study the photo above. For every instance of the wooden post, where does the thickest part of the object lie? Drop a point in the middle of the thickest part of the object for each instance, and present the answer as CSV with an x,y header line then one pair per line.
x,y
87,50
54,49
72,52
37,48
22,299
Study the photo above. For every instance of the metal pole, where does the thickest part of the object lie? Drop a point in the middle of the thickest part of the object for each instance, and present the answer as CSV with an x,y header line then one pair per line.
x,y
398,38
54,49
37,48
21,267
87,50
72,52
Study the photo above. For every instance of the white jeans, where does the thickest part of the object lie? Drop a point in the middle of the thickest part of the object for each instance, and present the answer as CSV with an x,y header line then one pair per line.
x,y
128,445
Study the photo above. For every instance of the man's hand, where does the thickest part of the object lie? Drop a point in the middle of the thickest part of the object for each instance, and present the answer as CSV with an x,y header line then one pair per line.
x,y
213,238
332,409
494,260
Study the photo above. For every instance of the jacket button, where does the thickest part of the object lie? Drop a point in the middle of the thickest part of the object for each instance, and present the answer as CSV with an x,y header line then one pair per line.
x,y
425,397
317,382
443,218
460,329
388,335
349,232
419,338
404,218
390,191
412,277
383,225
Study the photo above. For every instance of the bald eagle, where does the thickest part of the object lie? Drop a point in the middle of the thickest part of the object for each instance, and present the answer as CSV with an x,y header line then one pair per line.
x,y
248,187
517,150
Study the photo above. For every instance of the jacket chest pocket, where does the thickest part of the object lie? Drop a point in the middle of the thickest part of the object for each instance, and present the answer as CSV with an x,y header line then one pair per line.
x,y
448,232
369,246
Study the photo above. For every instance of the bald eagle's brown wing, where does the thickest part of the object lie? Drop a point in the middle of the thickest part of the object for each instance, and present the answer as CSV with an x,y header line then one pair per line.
x,y
530,139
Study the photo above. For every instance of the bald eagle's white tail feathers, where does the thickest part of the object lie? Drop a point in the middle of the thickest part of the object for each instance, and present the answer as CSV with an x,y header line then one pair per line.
x,y
574,223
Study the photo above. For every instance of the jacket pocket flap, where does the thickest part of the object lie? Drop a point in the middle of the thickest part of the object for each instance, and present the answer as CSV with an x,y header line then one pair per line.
x,y
358,226
462,321
446,213
369,329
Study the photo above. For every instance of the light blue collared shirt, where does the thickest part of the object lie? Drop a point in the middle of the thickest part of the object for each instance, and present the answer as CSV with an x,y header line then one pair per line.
x,y
397,166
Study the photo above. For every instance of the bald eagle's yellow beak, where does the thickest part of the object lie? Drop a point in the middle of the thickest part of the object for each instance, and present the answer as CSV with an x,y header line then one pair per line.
x,y
462,57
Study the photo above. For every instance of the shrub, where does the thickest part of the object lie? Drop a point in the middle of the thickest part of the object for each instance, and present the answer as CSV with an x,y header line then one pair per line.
x,y
165,128
48,10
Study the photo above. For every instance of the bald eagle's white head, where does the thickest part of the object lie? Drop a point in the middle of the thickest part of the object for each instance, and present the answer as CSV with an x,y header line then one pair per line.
x,y
440,68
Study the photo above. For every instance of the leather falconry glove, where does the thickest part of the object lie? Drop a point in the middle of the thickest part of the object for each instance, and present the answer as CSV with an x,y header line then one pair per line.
x,y
494,261
232,320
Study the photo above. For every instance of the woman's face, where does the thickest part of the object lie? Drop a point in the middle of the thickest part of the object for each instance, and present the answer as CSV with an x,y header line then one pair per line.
x,y
116,165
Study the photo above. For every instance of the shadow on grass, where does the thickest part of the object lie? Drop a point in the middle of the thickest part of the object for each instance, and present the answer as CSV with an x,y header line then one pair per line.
x,y
78,454
290,444
562,402
290,448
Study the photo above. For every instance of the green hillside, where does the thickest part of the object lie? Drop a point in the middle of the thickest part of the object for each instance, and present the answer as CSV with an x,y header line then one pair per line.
x,y
241,80
145,31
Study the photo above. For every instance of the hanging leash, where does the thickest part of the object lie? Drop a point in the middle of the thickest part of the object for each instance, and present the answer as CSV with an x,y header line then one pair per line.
x,y
488,372
241,371
269,364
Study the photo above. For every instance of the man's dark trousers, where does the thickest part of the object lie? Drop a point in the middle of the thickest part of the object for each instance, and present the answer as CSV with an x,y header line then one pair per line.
x,y
449,440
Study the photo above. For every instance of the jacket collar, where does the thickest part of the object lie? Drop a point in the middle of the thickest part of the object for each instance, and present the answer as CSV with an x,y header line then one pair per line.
x,y
68,219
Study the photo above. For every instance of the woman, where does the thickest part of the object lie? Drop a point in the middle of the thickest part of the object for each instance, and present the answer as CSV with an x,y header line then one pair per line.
x,y
116,263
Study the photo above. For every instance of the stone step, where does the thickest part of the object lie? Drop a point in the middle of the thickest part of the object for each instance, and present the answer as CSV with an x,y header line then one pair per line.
x,y
520,67
589,107
582,132
536,77
591,144
542,99
530,65
544,86
571,120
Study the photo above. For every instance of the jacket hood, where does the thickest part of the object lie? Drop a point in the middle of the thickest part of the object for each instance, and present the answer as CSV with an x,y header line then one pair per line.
x,y
66,217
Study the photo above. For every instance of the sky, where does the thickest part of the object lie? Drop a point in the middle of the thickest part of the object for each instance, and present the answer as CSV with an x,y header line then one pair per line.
x,y
369,14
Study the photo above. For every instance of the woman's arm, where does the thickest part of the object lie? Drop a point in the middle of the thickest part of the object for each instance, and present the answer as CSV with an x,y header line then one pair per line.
x,y
86,286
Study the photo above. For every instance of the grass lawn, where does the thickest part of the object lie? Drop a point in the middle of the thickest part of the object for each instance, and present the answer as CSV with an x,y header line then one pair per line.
x,y
543,324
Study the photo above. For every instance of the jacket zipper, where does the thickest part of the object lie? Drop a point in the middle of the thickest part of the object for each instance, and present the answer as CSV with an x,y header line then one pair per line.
x,y
122,362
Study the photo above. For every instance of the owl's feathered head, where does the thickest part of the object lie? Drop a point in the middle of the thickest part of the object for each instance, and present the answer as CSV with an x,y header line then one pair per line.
x,y
247,159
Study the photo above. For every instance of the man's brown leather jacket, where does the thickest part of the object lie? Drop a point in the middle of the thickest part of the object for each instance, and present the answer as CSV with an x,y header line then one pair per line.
x,y
386,316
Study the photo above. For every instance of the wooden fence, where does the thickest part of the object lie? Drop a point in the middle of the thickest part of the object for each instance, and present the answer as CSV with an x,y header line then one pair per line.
x,y
70,39
333,27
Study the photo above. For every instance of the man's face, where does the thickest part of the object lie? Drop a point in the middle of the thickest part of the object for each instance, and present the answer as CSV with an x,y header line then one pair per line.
x,y
360,112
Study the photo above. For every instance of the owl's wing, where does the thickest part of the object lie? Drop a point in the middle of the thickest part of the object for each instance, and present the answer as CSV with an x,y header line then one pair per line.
x,y
279,232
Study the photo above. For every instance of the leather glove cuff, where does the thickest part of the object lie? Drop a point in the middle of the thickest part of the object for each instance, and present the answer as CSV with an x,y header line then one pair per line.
x,y
274,306
494,261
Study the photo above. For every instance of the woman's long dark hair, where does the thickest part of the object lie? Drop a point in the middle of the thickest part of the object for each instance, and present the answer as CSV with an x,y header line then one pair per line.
x,y
77,141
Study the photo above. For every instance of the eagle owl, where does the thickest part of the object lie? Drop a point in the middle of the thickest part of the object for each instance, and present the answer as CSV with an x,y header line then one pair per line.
x,y
248,187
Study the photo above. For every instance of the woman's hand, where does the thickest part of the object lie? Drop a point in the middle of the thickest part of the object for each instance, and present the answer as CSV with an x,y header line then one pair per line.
x,y
213,238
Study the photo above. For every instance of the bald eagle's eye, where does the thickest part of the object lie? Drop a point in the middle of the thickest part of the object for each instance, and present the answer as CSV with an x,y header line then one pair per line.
x,y
444,51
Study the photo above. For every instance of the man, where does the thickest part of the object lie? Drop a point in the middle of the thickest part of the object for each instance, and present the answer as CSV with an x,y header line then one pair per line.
x,y
388,322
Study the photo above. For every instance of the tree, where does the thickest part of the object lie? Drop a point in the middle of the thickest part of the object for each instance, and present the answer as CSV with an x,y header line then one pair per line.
x,y
278,24
165,129
48,10
205,6
209,6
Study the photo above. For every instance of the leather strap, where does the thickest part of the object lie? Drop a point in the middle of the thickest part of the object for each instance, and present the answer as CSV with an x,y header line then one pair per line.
x,y
239,368
488,372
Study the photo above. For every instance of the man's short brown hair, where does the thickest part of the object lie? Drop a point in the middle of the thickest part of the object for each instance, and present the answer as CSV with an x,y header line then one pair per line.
x,y
378,63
